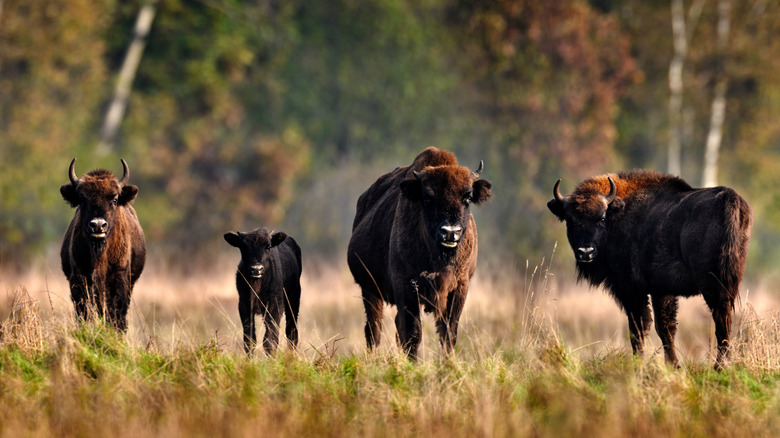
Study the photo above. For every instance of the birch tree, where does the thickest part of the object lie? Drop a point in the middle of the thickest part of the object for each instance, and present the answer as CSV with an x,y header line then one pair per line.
x,y
718,110
126,75
682,30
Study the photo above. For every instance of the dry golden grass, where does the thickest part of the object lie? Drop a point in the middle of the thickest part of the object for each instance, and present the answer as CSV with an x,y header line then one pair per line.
x,y
537,356
506,304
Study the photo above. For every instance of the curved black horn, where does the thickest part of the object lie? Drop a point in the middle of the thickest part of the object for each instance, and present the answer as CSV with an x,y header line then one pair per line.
x,y
72,172
479,169
557,191
612,191
125,172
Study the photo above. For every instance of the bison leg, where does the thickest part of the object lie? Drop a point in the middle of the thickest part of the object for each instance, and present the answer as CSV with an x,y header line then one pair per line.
x,y
272,317
447,324
665,310
292,303
374,309
409,327
119,303
79,293
247,315
639,320
722,316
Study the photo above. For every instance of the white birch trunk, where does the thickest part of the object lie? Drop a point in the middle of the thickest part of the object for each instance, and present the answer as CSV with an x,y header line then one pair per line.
x,y
681,37
715,135
124,83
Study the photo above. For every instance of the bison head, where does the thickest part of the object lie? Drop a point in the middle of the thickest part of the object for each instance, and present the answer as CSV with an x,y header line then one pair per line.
x,y
255,248
444,194
586,212
98,195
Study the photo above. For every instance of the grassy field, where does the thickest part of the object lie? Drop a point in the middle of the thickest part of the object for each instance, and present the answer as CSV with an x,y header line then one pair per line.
x,y
537,356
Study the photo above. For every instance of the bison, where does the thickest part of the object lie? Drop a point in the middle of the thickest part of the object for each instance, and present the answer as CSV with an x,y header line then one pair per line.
x,y
268,280
414,244
103,251
650,238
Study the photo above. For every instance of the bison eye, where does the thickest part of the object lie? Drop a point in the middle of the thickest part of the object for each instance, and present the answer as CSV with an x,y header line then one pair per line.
x,y
467,201
114,200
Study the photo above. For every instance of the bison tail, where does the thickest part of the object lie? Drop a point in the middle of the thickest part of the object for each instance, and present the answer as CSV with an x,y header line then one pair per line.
x,y
738,224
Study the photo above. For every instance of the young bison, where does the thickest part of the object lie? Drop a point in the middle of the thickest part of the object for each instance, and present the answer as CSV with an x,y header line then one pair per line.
x,y
268,279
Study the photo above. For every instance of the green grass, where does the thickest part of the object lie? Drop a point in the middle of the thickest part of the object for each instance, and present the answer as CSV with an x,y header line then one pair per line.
x,y
79,380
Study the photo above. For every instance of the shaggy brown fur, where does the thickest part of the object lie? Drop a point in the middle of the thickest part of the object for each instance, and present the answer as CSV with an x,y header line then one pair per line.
x,y
103,250
414,244
656,240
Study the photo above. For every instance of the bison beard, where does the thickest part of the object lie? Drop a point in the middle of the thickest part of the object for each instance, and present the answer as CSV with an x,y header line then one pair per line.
x,y
414,245
650,238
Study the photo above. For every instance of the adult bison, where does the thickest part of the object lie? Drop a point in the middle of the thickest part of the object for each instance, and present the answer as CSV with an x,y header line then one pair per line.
x,y
268,280
103,251
414,243
644,233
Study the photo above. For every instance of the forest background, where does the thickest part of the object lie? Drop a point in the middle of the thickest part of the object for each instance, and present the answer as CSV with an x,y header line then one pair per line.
x,y
280,113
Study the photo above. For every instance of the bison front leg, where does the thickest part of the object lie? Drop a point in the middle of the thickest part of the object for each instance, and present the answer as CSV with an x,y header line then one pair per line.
x,y
247,314
374,309
119,300
665,310
408,324
272,318
639,320
447,323
79,293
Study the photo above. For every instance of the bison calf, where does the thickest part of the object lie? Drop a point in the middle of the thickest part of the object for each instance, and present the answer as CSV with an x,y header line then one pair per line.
x,y
414,244
268,280
650,238
103,251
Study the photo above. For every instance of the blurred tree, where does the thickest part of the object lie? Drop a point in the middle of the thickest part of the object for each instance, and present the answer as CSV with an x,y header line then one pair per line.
x,y
198,120
549,76
51,82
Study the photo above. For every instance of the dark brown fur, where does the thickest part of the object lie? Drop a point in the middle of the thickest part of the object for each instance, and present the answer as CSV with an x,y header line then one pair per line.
x,y
102,271
399,254
657,240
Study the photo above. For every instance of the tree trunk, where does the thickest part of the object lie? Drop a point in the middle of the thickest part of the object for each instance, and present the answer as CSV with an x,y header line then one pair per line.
x,y
126,75
715,135
682,36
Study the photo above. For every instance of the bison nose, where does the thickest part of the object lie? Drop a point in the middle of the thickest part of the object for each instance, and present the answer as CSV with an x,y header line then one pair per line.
x,y
256,271
585,254
98,227
450,235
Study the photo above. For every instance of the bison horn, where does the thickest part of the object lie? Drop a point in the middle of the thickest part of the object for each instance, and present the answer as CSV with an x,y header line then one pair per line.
x,y
72,173
557,191
612,191
477,172
125,172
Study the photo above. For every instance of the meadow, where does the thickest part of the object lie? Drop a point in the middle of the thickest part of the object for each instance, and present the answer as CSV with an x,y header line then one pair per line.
x,y
537,356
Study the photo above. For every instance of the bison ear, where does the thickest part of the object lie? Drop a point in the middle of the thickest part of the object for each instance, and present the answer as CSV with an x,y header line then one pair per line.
x,y
556,207
277,238
70,195
411,188
617,204
481,191
128,194
233,238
